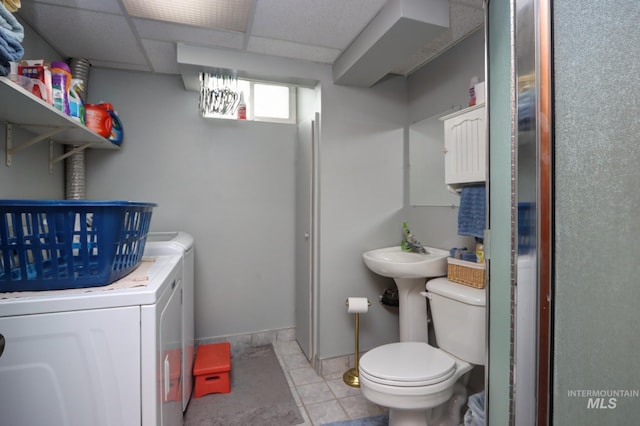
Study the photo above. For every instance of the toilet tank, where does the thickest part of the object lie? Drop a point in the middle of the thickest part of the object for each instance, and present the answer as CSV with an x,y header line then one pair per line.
x,y
459,319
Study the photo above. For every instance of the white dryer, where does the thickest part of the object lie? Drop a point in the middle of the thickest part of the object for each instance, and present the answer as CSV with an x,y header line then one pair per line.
x,y
182,244
107,356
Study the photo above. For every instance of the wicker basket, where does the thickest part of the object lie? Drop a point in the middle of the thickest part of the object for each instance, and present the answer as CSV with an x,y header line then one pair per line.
x,y
467,273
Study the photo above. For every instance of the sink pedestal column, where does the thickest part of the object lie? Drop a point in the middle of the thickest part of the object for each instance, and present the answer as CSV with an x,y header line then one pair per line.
x,y
412,309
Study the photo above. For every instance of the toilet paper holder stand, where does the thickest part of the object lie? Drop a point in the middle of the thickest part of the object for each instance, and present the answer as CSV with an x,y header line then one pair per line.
x,y
351,377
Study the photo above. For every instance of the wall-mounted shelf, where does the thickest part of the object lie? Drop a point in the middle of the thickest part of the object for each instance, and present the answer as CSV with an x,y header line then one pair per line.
x,y
20,108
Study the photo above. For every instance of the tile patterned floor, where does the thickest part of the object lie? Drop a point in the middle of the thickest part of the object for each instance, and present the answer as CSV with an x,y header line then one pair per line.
x,y
320,399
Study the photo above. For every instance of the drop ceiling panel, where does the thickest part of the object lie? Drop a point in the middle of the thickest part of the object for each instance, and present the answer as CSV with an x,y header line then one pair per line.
x,y
85,34
109,6
290,49
165,31
328,23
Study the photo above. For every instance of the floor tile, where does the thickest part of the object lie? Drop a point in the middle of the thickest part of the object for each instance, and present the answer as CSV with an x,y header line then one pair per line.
x,y
296,360
314,392
358,407
341,390
326,412
287,347
287,334
304,376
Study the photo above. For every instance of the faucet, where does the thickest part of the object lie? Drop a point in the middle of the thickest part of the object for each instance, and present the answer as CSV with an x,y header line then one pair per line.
x,y
409,243
415,246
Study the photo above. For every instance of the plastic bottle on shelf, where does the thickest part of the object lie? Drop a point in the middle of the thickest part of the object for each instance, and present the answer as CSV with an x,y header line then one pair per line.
x,y
98,119
480,253
116,133
60,85
472,91
242,108
76,103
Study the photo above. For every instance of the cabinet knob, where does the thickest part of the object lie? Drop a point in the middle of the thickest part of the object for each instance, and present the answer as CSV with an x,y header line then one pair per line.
x,y
445,150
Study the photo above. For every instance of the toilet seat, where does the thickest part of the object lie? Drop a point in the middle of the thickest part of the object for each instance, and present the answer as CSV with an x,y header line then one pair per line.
x,y
407,364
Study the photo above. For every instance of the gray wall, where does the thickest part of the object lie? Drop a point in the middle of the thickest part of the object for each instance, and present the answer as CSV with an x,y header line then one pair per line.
x,y
432,90
361,186
231,184
596,315
29,176
364,188
228,183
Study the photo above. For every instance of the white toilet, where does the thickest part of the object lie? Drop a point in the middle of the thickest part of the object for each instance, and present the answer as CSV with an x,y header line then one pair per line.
x,y
411,378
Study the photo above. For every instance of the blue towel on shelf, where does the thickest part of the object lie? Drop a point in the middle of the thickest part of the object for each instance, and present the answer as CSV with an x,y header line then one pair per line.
x,y
9,25
471,214
10,49
11,35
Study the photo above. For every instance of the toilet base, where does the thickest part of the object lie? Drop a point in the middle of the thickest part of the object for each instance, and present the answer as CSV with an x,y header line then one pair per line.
x,y
448,413
408,417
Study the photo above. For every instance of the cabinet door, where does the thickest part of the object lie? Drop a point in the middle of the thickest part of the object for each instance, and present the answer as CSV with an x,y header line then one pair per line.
x,y
71,368
465,147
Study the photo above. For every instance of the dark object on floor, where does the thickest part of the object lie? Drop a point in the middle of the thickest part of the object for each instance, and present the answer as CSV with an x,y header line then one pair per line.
x,y
260,395
379,420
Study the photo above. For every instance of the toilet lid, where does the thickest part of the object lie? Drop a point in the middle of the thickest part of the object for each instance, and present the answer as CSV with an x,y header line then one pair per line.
x,y
407,364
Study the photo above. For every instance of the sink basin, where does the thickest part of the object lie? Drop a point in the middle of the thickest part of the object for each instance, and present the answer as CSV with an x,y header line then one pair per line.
x,y
393,262
410,272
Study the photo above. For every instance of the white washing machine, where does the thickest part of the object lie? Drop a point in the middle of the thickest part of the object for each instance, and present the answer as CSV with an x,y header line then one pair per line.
x,y
182,244
108,356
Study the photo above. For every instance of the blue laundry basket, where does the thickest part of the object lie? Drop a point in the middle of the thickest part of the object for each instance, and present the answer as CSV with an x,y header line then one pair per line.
x,y
61,244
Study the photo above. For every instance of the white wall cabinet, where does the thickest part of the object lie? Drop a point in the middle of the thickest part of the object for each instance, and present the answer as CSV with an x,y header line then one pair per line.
x,y
465,146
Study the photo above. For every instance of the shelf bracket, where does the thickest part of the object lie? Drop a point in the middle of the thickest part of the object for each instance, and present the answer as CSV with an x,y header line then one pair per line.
x,y
10,149
69,153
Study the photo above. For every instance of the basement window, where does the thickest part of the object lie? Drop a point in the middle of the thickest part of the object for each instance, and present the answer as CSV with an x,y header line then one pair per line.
x,y
265,101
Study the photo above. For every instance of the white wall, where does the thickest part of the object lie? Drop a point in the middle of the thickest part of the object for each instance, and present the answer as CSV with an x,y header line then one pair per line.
x,y
228,183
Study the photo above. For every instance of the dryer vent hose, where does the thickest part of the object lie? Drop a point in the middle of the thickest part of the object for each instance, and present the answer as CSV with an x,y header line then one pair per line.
x,y
75,186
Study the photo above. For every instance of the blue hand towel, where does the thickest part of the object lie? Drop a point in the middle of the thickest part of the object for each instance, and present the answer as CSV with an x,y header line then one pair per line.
x,y
471,214
11,35
10,50
9,25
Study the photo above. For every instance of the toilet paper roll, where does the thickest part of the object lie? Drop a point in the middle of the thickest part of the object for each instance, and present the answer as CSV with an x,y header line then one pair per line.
x,y
357,305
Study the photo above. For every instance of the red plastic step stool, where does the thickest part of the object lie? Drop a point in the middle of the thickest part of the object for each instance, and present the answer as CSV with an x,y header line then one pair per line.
x,y
211,369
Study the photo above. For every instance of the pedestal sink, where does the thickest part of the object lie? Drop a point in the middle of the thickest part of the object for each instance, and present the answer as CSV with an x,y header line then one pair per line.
x,y
410,272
